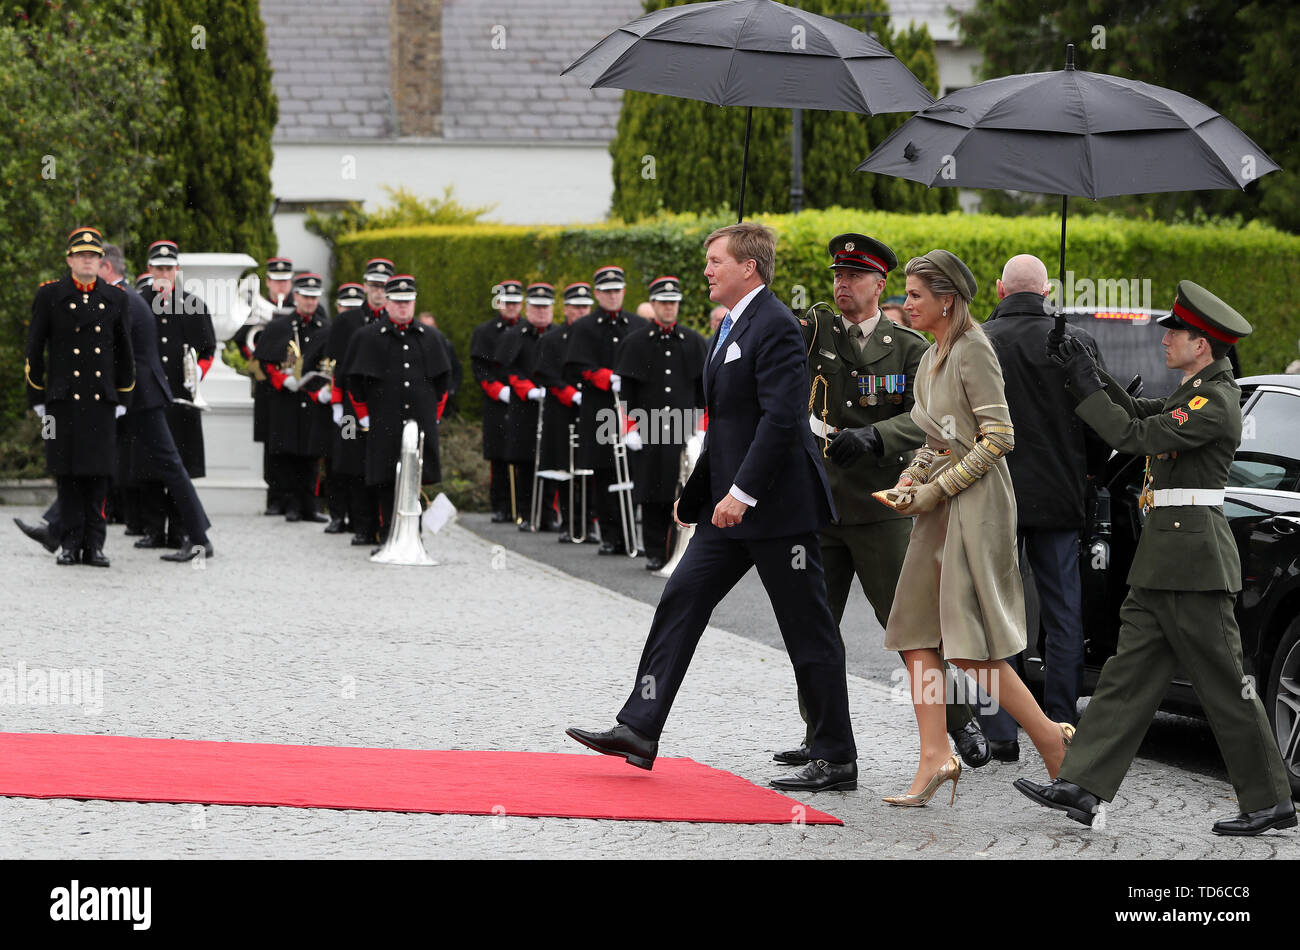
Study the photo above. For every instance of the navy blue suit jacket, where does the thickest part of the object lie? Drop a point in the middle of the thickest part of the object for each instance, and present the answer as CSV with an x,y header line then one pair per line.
x,y
758,437
151,388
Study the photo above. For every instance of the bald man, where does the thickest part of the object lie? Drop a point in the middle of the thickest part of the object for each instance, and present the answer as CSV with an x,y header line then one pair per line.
x,y
1049,472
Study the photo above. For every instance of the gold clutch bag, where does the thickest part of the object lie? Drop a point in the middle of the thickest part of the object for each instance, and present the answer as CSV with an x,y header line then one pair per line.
x,y
895,498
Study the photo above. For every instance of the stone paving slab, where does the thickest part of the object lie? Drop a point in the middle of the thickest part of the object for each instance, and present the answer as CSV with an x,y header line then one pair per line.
x,y
288,635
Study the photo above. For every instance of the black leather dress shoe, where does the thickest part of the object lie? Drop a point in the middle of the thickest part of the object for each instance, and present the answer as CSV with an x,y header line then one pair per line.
x,y
274,509
622,741
609,547
189,551
501,517
313,518
152,541
654,563
336,526
1008,751
1078,803
68,556
1281,815
971,744
38,533
820,776
94,557
293,515
131,532
799,756
361,539
565,538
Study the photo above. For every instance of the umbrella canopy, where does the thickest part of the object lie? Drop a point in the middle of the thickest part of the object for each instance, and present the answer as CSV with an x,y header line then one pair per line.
x,y
1070,133
752,53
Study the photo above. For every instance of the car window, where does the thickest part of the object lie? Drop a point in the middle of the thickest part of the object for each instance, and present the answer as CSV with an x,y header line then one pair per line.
x,y
1269,456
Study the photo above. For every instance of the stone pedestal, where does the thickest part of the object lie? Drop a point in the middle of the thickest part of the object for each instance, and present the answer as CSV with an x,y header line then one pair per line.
x,y
234,482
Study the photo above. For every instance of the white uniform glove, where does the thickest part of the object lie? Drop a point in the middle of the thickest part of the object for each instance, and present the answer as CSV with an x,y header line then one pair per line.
x,y
577,398
504,395
615,383
537,395
338,413
39,410
291,383
119,412
364,421
633,441
323,395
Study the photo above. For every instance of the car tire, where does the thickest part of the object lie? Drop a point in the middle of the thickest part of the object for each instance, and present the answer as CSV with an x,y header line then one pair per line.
x,y
1282,700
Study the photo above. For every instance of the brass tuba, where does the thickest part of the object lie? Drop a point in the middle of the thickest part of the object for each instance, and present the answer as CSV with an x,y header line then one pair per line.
x,y
404,545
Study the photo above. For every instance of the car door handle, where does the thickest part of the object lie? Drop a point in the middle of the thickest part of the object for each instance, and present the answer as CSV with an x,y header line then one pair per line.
x,y
1284,524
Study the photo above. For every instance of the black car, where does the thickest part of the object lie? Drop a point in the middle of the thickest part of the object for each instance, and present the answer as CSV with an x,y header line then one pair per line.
x,y
1262,506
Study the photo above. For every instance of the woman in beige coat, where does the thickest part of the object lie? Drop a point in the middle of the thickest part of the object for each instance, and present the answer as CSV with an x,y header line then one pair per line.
x,y
960,589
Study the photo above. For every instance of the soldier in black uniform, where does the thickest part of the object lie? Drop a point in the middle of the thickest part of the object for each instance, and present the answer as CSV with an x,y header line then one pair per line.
x,y
279,290
84,325
661,366
517,354
508,298
560,410
347,298
183,321
397,370
348,448
299,405
592,344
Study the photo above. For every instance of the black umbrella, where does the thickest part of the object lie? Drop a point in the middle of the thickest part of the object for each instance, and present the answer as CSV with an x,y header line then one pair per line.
x,y
1070,133
752,53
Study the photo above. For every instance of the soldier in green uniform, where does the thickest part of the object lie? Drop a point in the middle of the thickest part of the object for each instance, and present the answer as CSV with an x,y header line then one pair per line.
x,y
861,368
1184,579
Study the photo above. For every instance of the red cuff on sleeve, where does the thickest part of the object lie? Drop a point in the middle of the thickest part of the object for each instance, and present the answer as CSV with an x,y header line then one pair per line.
x,y
704,421
336,394
204,364
565,395
442,404
493,388
522,387
276,377
598,377
361,408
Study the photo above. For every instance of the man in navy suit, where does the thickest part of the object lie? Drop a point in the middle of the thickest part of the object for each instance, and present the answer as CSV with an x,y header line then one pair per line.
x,y
759,494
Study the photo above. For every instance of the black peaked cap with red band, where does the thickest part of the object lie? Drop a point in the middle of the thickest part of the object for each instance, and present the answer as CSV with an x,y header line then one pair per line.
x,y
1197,309
861,253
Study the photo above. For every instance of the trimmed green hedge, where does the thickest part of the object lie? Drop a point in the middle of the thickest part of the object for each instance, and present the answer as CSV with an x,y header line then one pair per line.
x,y
1252,267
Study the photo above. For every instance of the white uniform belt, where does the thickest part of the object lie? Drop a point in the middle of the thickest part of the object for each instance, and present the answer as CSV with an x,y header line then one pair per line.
x,y
821,429
1172,497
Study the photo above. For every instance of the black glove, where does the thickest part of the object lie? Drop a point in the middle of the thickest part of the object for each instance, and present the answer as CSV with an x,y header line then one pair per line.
x,y
1055,340
1082,378
849,445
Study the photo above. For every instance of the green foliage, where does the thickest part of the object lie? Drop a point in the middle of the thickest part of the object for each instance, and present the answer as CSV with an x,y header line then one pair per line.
x,y
681,155
218,80
465,473
405,209
81,135
1239,60
459,265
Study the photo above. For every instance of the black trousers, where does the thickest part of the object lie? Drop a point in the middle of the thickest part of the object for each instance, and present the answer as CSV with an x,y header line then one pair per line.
x,y
791,570
499,488
169,505
337,492
298,488
656,528
80,523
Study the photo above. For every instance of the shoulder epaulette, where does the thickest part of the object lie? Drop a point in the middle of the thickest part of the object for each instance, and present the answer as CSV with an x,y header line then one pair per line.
x,y
916,333
44,282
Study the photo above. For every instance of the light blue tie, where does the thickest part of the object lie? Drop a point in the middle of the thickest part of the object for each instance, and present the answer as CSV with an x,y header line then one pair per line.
x,y
723,331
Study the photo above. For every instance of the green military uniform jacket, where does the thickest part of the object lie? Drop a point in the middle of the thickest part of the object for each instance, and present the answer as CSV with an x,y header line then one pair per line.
x,y
892,351
1190,439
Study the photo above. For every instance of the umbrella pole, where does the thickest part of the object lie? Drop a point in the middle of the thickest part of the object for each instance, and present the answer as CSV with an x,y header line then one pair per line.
x,y
1060,299
744,163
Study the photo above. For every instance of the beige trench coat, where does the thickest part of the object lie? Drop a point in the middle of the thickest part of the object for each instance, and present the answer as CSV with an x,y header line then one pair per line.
x,y
960,586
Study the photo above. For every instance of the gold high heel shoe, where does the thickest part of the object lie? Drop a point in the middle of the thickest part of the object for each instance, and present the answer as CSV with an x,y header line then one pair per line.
x,y
1067,733
949,772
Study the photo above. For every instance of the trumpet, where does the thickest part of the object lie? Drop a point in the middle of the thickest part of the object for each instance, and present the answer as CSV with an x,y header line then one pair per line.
x,y
623,481
292,362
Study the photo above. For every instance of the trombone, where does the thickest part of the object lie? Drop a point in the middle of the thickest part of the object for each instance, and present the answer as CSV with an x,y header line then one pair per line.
x,y
535,508
575,475
623,480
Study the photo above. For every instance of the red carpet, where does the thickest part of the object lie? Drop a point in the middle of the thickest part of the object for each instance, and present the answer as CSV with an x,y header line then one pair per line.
x,y
528,784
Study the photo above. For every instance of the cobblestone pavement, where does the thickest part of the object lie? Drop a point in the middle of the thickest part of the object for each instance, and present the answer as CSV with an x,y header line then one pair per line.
x,y
291,636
